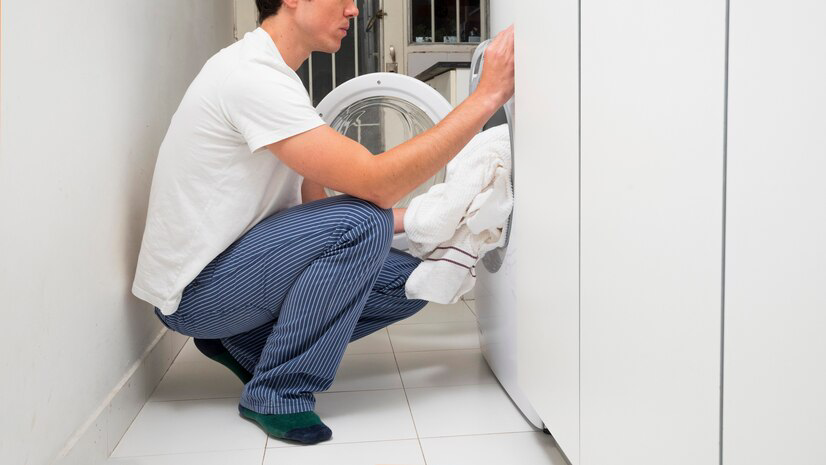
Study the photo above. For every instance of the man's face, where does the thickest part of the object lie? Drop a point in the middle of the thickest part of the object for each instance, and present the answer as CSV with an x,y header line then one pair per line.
x,y
325,22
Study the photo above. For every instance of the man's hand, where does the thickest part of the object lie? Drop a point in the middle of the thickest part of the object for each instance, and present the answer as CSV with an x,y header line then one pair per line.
x,y
498,73
312,191
398,220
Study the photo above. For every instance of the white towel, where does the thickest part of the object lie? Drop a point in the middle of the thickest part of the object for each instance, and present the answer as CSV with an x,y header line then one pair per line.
x,y
452,225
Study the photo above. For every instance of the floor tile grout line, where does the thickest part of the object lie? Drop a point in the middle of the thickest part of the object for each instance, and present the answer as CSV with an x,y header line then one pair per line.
x,y
266,448
473,320
415,351
409,408
475,349
238,397
328,444
192,400
478,349
448,436
156,401
483,434
411,439
490,383
321,393
434,350
172,454
435,323
264,452
486,383
472,309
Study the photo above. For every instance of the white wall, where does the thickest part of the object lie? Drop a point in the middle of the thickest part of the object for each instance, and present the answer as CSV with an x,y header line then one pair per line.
x,y
88,89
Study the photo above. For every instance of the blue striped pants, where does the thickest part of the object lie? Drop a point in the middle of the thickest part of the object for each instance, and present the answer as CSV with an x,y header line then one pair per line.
x,y
289,295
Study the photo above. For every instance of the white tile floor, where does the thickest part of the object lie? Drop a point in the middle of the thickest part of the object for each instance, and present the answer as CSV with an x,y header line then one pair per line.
x,y
416,393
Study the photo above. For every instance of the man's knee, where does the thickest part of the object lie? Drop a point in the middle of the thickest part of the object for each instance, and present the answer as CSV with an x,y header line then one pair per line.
x,y
379,221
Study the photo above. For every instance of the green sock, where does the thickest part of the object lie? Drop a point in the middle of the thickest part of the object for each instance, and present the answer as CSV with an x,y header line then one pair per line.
x,y
305,427
214,349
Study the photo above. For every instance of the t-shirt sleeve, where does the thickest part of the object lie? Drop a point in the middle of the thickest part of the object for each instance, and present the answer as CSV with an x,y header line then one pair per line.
x,y
267,106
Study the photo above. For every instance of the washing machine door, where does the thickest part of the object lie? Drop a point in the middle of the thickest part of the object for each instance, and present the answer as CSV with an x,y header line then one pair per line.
x,y
381,111
493,259
497,300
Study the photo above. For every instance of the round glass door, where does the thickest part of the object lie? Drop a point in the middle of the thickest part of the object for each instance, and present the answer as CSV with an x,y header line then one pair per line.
x,y
381,123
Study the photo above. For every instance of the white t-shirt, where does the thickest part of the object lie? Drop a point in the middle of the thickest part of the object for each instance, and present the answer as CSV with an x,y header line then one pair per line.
x,y
215,179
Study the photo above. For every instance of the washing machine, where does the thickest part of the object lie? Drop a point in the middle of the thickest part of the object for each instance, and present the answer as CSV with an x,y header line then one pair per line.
x,y
495,289
381,111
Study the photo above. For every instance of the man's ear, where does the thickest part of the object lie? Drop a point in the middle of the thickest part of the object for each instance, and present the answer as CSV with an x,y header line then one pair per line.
x,y
289,3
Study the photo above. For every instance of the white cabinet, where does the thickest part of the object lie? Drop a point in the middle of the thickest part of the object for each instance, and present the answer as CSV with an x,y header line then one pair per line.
x,y
671,292
774,386
651,183
453,84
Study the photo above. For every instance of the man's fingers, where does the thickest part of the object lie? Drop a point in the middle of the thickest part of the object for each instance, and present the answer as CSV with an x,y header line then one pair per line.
x,y
504,39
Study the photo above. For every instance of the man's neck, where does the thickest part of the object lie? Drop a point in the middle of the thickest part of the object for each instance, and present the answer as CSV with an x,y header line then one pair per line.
x,y
287,40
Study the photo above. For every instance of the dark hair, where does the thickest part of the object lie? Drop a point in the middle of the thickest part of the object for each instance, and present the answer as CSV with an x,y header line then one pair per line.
x,y
267,8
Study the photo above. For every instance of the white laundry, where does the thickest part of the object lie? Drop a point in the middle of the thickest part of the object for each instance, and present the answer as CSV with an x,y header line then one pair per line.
x,y
452,225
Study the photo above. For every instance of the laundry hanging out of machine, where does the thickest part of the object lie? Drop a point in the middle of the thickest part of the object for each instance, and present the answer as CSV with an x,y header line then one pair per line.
x,y
455,223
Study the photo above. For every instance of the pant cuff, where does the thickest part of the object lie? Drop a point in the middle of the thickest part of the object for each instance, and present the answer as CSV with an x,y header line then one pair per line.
x,y
278,408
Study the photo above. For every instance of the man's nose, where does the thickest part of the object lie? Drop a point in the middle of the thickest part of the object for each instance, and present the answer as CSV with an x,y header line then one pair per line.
x,y
352,10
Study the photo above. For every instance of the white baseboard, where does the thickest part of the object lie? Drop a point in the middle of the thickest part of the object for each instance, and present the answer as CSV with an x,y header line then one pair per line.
x,y
97,438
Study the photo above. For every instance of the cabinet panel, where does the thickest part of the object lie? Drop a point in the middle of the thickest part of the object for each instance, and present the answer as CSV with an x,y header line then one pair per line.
x,y
547,214
775,306
653,77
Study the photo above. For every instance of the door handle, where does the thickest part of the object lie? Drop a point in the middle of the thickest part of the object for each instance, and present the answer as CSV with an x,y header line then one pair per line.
x,y
392,65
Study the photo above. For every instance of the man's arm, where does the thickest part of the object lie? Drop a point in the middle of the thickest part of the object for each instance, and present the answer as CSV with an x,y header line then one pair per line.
x,y
328,158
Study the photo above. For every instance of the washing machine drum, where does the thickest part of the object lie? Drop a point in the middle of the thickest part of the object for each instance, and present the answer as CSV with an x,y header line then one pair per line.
x,y
383,110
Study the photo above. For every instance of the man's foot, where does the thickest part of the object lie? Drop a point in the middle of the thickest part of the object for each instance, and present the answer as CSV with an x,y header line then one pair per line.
x,y
214,349
304,427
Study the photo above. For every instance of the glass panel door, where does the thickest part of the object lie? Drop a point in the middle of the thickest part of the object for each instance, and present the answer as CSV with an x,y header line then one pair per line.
x,y
447,21
360,53
381,123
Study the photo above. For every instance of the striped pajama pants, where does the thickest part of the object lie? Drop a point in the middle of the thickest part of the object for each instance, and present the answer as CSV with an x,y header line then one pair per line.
x,y
289,295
